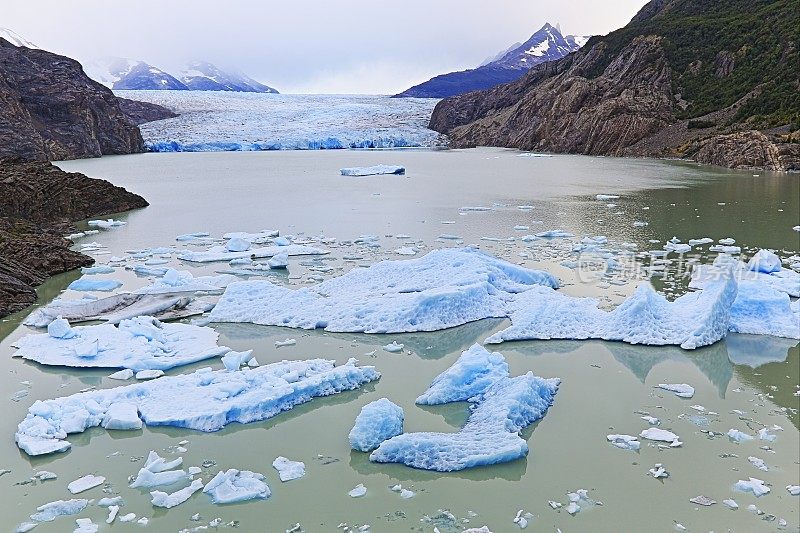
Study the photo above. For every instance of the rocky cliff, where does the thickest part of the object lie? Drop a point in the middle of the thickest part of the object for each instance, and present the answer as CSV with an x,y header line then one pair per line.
x,y
686,78
38,204
50,110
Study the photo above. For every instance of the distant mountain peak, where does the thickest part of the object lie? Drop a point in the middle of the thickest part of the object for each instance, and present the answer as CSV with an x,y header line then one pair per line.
x,y
202,75
546,44
16,39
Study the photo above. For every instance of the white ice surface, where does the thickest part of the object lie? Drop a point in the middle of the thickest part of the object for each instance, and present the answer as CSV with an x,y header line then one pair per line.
x,y
288,469
170,500
471,375
232,486
220,253
137,343
377,421
175,281
442,289
205,400
373,170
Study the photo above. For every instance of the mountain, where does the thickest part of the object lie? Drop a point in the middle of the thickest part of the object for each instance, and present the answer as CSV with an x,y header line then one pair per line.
x,y
547,44
203,76
712,80
15,39
124,74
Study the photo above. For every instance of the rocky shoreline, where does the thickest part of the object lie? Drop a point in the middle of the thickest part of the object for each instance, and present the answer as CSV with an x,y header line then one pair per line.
x,y
38,205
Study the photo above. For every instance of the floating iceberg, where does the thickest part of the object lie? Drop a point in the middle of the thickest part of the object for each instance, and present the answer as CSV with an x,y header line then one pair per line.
x,y
232,486
783,280
680,389
442,289
113,309
85,483
106,224
288,469
470,376
756,486
50,511
377,421
140,343
205,400
625,442
490,436
220,253
762,310
90,284
183,281
170,500
692,320
373,170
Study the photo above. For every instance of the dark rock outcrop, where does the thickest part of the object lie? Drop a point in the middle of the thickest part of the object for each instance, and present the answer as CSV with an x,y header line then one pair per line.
x,y
38,204
141,112
666,85
50,109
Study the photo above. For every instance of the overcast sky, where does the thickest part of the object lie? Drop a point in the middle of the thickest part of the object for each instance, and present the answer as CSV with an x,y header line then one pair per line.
x,y
342,46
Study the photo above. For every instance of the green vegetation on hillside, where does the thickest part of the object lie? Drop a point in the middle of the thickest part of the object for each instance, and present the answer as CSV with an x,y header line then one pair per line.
x,y
759,38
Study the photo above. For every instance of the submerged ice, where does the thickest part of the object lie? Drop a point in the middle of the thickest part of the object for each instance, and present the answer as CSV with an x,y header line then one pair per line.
x,y
490,436
205,400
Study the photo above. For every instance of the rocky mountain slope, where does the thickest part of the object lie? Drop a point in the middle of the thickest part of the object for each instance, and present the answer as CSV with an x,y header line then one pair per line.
x,y
38,204
50,110
716,81
547,44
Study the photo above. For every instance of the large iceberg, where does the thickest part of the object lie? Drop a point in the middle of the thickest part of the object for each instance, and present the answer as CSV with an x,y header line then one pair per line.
x,y
139,343
490,436
761,269
373,170
205,400
221,253
113,309
442,289
692,320
759,309
377,421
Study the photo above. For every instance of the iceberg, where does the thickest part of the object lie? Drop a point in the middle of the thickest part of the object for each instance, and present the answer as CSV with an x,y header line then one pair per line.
x,y
783,280
377,421
442,289
693,320
625,442
762,310
756,486
373,170
50,511
232,486
205,400
106,224
221,253
183,281
288,469
764,261
170,500
490,436
85,483
682,390
141,343
470,376
90,284
85,525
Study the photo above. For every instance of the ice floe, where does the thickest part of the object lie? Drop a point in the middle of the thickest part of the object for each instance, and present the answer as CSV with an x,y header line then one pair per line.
x,y
756,486
137,343
680,389
220,253
232,486
175,281
693,320
50,511
442,289
625,442
85,483
169,500
471,375
91,284
490,436
205,400
373,170
288,469
358,491
377,421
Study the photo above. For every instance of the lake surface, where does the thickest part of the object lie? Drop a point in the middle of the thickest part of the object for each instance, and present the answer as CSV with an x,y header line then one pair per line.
x,y
606,387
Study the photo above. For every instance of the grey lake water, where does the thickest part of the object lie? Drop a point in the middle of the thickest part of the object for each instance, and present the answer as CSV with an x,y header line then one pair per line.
x,y
606,387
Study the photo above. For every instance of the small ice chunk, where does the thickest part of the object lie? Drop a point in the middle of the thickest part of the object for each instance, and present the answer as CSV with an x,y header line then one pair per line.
x,y
764,434
658,434
378,421
605,197
130,517
122,415
50,511
60,329
407,494
234,360
358,491
471,375
756,486
289,470
680,389
122,375
149,374
626,442
89,284
163,499
739,436
237,245
85,525
730,504
43,475
287,342
653,421
278,261
146,479
373,170
393,347
703,500
758,463
85,483
113,510
232,485
794,490
658,471
108,502
764,261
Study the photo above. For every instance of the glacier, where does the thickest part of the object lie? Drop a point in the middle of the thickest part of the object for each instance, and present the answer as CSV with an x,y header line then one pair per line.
x,y
491,434
141,343
205,400
377,421
442,289
218,121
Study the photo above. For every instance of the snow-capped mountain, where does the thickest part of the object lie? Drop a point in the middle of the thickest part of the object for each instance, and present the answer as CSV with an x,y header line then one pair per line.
x,y
15,39
126,74
547,44
203,76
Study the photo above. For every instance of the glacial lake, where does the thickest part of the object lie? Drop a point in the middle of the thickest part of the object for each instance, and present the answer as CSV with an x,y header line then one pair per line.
x,y
606,387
